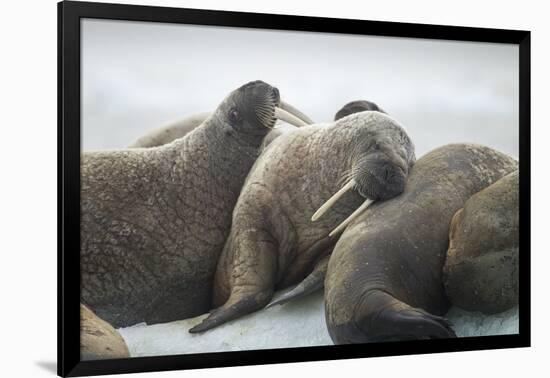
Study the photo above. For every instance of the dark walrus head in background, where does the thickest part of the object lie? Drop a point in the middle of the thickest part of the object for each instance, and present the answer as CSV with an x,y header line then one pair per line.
x,y
380,161
252,110
356,107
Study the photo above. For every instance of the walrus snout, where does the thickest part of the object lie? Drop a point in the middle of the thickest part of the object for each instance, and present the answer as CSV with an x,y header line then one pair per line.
x,y
261,91
382,182
262,103
276,95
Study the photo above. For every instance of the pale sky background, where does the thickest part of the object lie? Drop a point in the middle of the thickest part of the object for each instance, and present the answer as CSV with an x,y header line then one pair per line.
x,y
139,75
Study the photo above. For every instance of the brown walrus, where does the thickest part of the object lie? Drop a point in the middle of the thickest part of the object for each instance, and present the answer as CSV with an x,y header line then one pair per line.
x,y
315,280
384,278
98,339
273,242
481,269
154,220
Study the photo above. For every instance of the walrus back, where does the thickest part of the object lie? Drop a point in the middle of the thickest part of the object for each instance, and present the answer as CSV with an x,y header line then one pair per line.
x,y
153,222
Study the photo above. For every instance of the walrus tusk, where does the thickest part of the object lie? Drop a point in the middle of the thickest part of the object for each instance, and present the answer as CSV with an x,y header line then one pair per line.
x,y
354,215
292,110
332,200
283,115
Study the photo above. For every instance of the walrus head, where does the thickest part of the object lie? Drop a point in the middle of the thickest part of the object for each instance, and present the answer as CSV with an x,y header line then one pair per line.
x,y
380,162
356,107
252,110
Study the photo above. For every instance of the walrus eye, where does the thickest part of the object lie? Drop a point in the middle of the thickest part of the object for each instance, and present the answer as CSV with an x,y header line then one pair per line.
x,y
234,116
376,146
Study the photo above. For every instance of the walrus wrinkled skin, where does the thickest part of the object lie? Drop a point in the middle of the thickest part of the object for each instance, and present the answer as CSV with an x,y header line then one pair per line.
x,y
166,134
273,242
356,107
154,220
384,278
481,269
98,339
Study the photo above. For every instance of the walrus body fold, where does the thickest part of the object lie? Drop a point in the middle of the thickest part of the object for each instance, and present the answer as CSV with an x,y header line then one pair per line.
x,y
384,278
154,220
273,243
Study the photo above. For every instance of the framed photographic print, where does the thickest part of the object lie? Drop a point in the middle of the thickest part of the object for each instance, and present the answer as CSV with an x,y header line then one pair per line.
x,y
240,188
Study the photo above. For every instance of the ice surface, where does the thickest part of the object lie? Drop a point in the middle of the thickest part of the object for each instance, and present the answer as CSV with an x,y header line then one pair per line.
x,y
294,324
477,324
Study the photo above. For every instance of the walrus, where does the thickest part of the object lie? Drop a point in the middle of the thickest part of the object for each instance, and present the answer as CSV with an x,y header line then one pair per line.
x,y
273,243
154,220
315,280
384,278
481,269
98,339
166,134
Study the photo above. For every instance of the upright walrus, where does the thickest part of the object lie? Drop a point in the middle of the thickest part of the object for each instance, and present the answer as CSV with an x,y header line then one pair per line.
x,y
153,221
273,242
384,278
481,269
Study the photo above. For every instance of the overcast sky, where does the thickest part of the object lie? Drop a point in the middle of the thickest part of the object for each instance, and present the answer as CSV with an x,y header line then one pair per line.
x,y
137,76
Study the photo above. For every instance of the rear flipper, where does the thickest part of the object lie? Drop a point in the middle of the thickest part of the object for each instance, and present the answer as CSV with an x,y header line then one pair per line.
x,y
313,282
253,277
233,309
384,318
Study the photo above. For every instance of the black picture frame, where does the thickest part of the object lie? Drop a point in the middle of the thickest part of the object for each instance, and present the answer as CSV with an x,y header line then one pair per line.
x,y
69,16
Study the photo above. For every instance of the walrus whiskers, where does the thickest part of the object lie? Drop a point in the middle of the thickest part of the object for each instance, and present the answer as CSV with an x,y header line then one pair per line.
x,y
354,215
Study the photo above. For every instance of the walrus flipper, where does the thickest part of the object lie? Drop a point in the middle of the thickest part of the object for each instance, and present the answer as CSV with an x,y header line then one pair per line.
x,y
313,282
252,288
389,319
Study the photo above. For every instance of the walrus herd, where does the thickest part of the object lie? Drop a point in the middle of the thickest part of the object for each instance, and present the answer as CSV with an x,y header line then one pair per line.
x,y
217,212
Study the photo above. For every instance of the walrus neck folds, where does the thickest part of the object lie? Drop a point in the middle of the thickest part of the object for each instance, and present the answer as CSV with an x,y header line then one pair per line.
x,y
340,139
224,138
